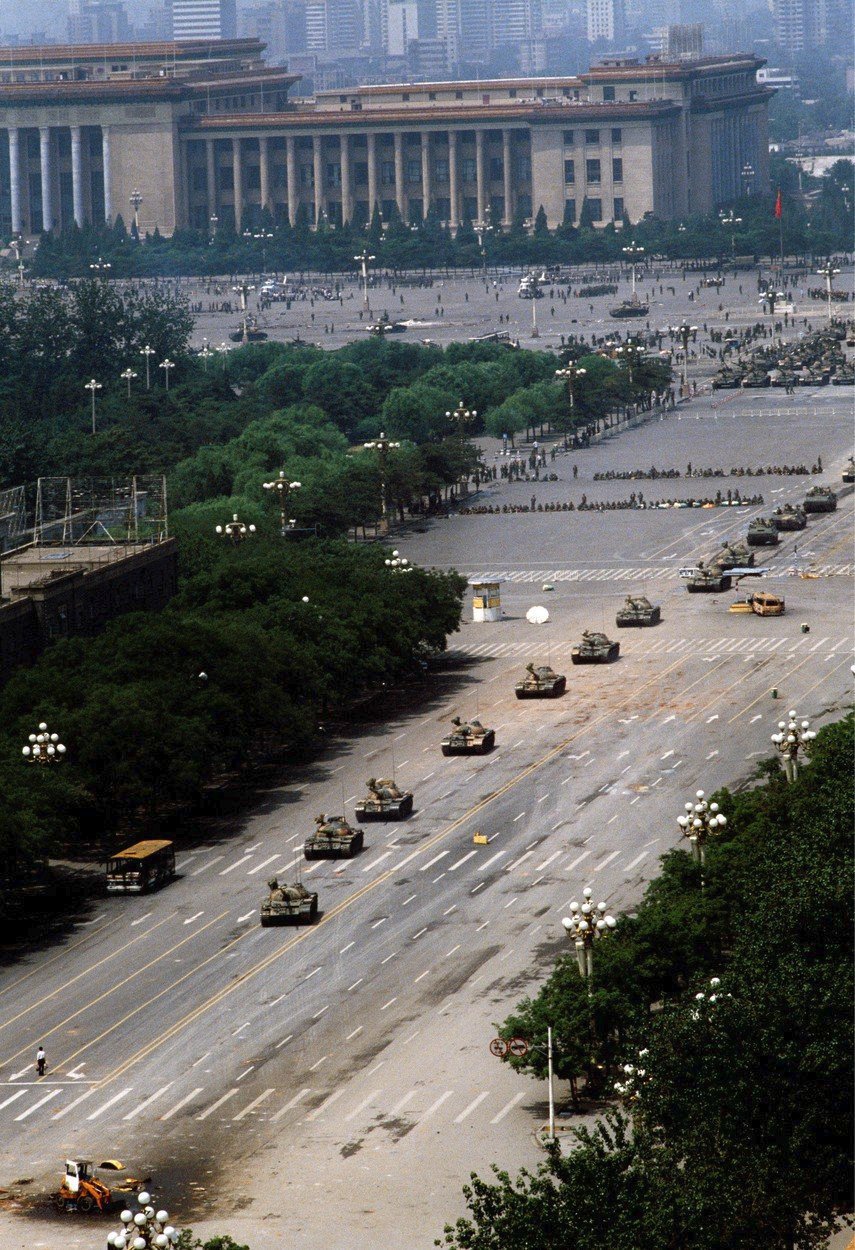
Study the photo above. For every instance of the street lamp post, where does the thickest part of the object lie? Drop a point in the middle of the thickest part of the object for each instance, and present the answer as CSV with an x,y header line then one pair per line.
x,y
829,273
43,747
166,365
793,737
147,351
701,821
234,530
135,199
128,375
382,446
364,259
93,387
283,489
730,221
146,1229
633,252
585,925
685,332
569,374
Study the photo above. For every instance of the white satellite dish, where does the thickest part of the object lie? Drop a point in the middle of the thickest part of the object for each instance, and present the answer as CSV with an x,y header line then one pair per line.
x,y
537,616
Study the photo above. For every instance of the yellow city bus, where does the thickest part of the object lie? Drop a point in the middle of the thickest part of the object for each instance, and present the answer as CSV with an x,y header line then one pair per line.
x,y
141,867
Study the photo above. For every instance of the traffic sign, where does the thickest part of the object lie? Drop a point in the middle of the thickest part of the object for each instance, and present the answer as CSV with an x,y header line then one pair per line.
x,y
518,1047
499,1047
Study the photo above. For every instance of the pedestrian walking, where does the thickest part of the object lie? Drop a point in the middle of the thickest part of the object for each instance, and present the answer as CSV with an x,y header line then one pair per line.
x,y
40,1060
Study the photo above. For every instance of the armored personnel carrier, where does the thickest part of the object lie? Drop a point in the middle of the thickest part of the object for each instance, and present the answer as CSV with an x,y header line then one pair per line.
x,y
709,580
540,682
288,904
385,801
789,517
763,532
468,738
820,499
595,648
333,836
637,610
849,471
733,556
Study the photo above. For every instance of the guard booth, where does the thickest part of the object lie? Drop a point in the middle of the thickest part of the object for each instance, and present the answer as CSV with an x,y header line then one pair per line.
x,y
486,598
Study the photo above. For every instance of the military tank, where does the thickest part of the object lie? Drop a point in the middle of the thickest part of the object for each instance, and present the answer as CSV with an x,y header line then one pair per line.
x,y
733,556
789,517
849,471
595,648
709,580
333,837
763,532
468,738
385,801
637,610
540,682
820,499
288,904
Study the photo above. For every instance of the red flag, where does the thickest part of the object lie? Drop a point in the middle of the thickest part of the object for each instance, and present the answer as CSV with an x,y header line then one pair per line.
x,y
779,205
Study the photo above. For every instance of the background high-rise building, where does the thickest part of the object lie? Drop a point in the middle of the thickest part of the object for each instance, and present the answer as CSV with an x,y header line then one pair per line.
x,y
204,19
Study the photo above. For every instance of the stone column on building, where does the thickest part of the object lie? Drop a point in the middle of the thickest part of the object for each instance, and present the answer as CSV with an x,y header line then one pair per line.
x,y
400,197
291,177
105,165
480,180
77,174
264,172
508,215
372,174
453,213
318,167
346,193
211,168
47,177
426,171
237,180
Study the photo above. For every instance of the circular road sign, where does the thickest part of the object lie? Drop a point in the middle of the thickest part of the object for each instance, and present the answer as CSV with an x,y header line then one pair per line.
x,y
518,1047
498,1047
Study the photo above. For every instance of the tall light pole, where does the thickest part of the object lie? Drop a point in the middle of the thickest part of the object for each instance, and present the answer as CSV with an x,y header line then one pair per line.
x,y
792,739
730,221
685,332
43,747
633,252
135,199
166,365
283,489
147,351
382,446
364,259
147,1229
701,821
829,273
128,375
585,925
92,387
569,374
234,530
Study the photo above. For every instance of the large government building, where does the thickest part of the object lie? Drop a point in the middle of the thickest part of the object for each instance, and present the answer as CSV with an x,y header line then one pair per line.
x,y
205,134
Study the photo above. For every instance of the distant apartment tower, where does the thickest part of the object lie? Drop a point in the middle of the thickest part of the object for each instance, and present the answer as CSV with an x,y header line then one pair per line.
x,y
605,21
204,19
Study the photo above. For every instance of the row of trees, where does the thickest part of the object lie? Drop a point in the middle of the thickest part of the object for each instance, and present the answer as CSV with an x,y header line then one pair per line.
x,y
281,247
737,1126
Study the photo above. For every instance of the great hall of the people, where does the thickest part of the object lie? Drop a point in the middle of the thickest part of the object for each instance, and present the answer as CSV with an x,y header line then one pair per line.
x,y
207,134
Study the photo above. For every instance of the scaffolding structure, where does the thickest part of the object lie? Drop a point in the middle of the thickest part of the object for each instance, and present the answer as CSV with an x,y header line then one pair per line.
x,y
89,511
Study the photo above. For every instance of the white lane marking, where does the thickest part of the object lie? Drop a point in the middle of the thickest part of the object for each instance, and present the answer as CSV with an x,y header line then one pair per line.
x,y
65,1110
216,1105
389,1004
577,861
636,861
497,1119
241,919
104,1106
402,1102
433,861
282,1110
263,864
358,1110
498,855
436,1105
547,862
313,1115
210,864
134,923
190,919
462,861
53,1093
252,1105
146,1102
378,860
235,865
476,1102
182,1102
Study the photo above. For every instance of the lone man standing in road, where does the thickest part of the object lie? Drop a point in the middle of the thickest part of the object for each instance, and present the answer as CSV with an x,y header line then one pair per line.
x,y
40,1060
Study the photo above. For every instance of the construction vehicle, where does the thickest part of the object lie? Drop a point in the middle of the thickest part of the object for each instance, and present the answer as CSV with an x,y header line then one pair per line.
x,y
470,738
541,682
638,610
82,1190
333,836
287,903
385,801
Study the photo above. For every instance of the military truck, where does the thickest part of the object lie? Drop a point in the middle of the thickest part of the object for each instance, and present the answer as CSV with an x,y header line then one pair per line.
x,y
709,580
333,837
763,532
789,517
541,682
595,648
732,556
288,904
638,611
820,499
385,801
468,738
